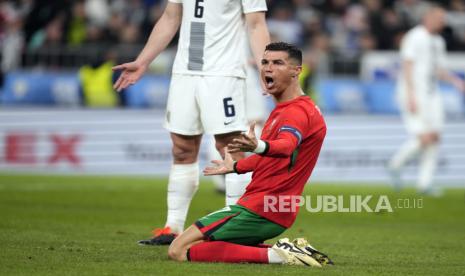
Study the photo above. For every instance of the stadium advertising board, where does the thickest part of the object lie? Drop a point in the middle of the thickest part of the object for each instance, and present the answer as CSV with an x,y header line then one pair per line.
x,y
133,142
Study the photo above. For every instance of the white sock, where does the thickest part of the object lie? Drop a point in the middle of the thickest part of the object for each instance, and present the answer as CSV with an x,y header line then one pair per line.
x,y
218,181
235,186
406,153
182,185
428,164
273,257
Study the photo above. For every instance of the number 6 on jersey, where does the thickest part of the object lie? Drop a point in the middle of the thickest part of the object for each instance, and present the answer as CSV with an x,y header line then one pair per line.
x,y
198,9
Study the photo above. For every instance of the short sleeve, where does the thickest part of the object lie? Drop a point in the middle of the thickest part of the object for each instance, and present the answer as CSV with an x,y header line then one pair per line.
x,y
175,1
249,6
408,48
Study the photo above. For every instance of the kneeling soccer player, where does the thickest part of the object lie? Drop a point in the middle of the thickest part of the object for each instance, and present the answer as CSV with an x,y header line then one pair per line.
x,y
285,157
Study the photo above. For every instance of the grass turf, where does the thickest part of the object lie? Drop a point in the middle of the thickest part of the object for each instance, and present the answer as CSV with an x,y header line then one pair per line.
x,y
90,225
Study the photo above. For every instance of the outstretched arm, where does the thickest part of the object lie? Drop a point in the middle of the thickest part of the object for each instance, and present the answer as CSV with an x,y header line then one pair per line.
x,y
452,79
228,165
161,35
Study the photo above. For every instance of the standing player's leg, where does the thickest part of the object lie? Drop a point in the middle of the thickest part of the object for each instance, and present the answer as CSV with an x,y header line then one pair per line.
x,y
213,154
222,107
183,179
235,184
183,121
255,109
428,164
429,158
406,152
409,149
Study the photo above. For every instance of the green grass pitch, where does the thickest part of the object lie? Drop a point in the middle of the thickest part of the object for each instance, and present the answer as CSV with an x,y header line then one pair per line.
x,y
90,225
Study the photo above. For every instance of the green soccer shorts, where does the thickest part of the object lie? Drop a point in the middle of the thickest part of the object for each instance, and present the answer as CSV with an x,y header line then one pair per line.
x,y
237,224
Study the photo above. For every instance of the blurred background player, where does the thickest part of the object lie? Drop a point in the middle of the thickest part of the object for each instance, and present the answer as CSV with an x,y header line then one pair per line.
x,y
206,91
423,55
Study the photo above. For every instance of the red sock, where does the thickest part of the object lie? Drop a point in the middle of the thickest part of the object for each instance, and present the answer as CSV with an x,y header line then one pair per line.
x,y
264,245
219,251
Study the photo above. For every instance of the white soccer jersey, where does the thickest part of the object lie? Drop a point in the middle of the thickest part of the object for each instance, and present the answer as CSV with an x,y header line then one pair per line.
x,y
428,53
213,37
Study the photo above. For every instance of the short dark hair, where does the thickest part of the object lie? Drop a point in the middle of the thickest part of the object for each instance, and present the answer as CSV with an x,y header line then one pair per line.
x,y
293,52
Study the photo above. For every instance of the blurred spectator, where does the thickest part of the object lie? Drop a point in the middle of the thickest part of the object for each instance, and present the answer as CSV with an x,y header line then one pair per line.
x,y
96,82
367,42
303,10
97,12
346,37
95,34
392,31
132,11
317,56
377,23
315,64
11,39
346,33
130,34
2,34
336,8
312,27
151,3
352,27
50,36
154,12
76,29
114,27
411,11
456,21
42,12
334,11
283,24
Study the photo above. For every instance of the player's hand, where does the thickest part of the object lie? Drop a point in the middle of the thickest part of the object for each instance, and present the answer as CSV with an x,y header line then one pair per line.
x,y
131,73
412,106
221,166
247,142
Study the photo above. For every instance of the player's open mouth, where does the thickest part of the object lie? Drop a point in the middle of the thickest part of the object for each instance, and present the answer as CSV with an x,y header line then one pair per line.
x,y
269,82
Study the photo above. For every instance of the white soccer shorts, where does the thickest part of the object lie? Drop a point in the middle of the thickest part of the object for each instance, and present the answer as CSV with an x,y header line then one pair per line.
x,y
200,104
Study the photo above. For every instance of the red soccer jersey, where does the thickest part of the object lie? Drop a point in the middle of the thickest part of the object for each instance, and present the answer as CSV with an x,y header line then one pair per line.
x,y
294,133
